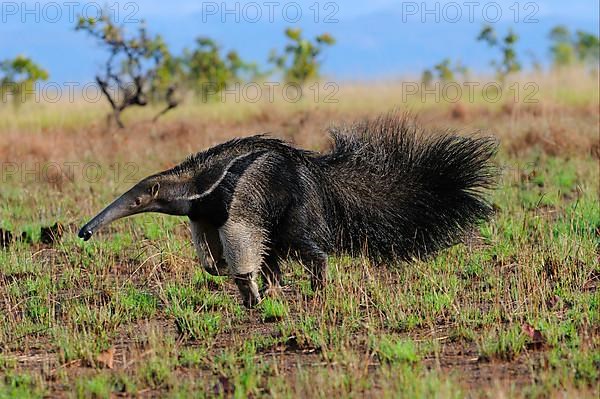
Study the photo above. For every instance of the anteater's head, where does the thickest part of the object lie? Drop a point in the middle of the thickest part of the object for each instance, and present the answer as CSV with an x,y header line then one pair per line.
x,y
164,193
172,192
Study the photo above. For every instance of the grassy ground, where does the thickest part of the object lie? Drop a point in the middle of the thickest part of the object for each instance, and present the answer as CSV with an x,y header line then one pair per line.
x,y
513,312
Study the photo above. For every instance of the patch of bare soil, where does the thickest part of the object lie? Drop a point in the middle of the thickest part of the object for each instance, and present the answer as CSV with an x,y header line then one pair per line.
x,y
462,361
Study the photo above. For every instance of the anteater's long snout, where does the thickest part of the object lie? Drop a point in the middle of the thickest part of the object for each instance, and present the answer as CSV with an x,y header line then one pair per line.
x,y
117,210
96,223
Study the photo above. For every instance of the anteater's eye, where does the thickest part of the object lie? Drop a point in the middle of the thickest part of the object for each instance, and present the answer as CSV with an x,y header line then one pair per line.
x,y
138,201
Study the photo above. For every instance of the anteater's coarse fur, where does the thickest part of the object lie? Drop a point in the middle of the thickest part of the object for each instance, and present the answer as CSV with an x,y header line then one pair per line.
x,y
387,190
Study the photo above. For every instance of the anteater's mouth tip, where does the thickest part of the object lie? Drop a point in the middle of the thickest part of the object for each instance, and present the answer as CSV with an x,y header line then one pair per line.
x,y
85,234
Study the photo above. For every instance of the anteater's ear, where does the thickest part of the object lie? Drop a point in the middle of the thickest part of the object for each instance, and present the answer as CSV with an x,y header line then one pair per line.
x,y
154,190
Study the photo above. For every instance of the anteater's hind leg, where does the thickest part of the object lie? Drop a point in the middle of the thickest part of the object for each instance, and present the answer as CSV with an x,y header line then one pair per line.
x,y
318,270
315,260
243,248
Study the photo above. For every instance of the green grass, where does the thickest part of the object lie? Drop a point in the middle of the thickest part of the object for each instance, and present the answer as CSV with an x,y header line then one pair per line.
x,y
505,344
21,386
197,325
415,329
396,350
273,309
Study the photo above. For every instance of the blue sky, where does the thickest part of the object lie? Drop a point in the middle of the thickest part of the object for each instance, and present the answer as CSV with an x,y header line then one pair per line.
x,y
375,39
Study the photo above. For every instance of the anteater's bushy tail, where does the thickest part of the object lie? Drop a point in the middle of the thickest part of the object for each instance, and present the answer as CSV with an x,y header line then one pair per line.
x,y
401,192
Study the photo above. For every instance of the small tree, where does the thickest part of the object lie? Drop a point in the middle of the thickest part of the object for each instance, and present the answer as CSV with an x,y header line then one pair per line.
x,y
509,62
427,78
562,49
300,60
566,49
588,47
138,69
445,72
18,78
208,72
242,70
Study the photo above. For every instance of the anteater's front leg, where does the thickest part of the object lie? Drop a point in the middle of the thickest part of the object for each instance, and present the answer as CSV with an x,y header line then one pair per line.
x,y
209,248
271,273
243,248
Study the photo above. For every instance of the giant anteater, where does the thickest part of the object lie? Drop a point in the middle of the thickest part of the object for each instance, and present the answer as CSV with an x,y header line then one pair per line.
x,y
386,189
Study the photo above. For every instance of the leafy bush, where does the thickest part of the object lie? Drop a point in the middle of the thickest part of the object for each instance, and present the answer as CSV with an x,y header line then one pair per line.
x,y
446,72
566,49
300,60
18,78
509,62
208,72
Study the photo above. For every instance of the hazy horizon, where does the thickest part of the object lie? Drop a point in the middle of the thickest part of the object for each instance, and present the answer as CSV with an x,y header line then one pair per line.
x,y
381,39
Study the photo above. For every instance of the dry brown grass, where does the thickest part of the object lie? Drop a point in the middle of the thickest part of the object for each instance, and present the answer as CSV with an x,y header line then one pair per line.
x,y
552,129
